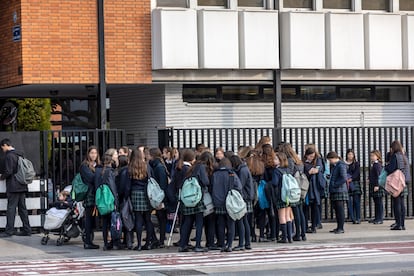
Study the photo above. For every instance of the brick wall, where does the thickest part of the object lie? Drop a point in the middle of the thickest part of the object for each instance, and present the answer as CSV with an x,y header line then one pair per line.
x,y
59,41
128,41
10,52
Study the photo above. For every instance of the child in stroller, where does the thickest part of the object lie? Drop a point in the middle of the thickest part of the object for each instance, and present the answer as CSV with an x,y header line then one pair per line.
x,y
63,219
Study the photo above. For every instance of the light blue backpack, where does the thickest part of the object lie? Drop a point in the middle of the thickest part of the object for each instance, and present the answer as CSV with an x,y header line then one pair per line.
x,y
155,193
291,191
191,193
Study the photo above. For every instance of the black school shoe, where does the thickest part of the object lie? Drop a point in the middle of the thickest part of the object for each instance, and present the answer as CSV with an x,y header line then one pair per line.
x,y
339,231
185,249
90,246
226,249
5,235
23,234
238,248
200,249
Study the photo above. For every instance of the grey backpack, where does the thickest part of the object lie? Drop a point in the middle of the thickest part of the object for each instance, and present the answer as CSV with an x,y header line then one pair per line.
x,y
25,171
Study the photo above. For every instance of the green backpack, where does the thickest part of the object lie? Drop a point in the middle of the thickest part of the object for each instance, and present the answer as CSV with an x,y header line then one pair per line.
x,y
104,200
79,188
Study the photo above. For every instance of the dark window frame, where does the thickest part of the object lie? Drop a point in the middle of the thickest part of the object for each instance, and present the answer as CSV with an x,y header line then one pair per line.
x,y
298,98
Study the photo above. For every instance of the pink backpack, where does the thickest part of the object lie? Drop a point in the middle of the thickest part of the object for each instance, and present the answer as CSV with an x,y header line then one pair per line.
x,y
395,183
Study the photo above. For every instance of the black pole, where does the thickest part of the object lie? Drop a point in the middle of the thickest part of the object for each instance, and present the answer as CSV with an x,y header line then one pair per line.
x,y
102,77
277,108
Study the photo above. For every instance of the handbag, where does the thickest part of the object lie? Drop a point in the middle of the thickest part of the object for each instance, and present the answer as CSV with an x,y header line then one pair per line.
x,y
127,214
208,203
395,183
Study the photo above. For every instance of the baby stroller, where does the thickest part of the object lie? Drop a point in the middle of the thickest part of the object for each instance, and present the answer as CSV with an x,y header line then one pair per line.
x,y
65,223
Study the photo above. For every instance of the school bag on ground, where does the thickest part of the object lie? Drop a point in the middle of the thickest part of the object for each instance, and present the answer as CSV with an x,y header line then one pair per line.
x,y
25,170
191,193
235,204
261,195
155,193
395,183
303,182
79,188
116,225
291,191
104,200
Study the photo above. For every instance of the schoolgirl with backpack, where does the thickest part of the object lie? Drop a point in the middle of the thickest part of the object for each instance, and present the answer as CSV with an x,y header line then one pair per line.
x,y
282,206
139,173
160,174
296,169
191,196
246,180
224,181
106,197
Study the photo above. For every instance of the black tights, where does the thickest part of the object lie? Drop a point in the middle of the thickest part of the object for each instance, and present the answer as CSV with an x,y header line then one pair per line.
x,y
141,218
338,206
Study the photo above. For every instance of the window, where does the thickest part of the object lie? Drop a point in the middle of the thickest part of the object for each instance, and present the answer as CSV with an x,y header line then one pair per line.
x,y
251,3
356,94
172,3
295,93
337,4
240,93
406,5
307,4
220,3
383,5
317,93
392,94
199,94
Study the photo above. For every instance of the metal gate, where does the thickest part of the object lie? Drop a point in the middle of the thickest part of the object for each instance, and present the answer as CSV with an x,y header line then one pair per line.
x,y
361,139
64,151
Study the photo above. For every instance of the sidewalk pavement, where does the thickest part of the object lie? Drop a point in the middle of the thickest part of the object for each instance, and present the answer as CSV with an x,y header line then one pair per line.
x,y
29,248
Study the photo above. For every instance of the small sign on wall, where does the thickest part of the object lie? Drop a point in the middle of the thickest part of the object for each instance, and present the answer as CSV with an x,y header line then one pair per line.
x,y
17,34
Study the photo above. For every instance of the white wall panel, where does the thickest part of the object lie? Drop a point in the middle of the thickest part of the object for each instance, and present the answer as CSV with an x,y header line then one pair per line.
x,y
347,114
34,221
214,115
345,41
383,45
259,39
408,41
140,110
174,36
303,40
218,36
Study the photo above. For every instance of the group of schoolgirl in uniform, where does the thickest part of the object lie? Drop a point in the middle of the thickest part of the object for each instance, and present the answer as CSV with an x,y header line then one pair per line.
x,y
127,171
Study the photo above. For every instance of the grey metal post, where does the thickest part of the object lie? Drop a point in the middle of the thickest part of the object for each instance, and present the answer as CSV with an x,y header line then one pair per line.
x,y
277,108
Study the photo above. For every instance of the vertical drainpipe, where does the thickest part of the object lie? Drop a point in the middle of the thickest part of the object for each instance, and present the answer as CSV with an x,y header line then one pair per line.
x,y
102,77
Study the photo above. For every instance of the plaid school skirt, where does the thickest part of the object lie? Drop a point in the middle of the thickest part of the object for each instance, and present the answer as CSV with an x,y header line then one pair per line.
x,y
89,200
339,196
249,206
139,200
220,210
280,204
199,208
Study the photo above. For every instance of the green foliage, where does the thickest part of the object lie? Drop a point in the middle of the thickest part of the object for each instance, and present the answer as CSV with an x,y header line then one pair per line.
x,y
33,114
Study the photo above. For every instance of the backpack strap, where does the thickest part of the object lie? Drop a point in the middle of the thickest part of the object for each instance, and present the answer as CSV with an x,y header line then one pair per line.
x,y
231,175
